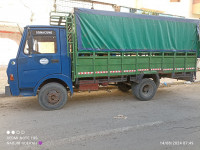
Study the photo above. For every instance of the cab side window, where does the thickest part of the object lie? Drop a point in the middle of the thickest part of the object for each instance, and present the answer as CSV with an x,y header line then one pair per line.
x,y
42,42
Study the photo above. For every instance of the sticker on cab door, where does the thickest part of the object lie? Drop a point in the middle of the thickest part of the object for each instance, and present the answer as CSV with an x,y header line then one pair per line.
x,y
44,61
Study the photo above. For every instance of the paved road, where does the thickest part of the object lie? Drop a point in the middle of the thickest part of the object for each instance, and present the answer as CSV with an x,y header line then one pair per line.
x,y
105,121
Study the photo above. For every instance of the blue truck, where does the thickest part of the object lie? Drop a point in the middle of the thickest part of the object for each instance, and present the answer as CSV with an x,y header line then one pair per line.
x,y
97,48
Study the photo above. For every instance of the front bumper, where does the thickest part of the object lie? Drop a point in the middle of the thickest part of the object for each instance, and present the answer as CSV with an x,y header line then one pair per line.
x,y
7,91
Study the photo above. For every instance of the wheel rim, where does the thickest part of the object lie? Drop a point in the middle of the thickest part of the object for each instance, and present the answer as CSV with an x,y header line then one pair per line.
x,y
53,97
147,90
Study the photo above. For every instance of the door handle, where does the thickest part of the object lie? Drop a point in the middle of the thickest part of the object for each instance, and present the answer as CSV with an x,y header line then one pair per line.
x,y
54,60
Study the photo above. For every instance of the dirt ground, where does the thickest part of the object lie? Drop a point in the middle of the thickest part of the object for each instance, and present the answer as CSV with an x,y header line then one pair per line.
x,y
3,79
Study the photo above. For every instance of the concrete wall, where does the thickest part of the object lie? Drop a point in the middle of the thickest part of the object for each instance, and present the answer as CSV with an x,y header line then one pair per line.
x,y
9,43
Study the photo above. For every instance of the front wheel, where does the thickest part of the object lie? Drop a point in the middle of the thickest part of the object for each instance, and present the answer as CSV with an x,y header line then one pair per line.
x,y
145,90
52,96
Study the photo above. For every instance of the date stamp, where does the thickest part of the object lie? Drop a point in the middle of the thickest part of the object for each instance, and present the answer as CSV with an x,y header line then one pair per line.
x,y
177,143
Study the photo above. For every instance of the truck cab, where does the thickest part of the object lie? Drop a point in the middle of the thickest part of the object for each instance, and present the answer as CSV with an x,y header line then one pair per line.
x,y
42,58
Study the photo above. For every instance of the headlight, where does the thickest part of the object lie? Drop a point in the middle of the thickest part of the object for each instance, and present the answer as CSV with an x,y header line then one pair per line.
x,y
13,62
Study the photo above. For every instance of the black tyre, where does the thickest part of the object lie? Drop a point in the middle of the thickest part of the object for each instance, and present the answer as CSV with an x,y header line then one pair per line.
x,y
135,90
52,96
124,87
145,90
156,80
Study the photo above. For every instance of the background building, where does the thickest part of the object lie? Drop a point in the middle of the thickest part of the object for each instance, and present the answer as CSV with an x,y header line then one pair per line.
x,y
10,36
186,8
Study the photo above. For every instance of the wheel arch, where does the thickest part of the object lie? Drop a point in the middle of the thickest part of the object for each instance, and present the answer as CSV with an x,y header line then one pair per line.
x,y
155,77
61,79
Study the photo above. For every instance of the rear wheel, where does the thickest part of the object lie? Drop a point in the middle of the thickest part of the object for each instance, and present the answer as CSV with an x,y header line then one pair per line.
x,y
124,87
135,90
145,90
52,96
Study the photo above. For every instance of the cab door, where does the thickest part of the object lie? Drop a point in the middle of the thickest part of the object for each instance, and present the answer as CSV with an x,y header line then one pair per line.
x,y
39,57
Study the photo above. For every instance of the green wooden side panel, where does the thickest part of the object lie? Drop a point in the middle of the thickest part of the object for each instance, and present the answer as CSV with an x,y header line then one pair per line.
x,y
118,63
107,64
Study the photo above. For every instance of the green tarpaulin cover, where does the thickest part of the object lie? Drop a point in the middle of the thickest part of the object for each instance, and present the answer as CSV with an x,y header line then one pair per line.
x,y
115,31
